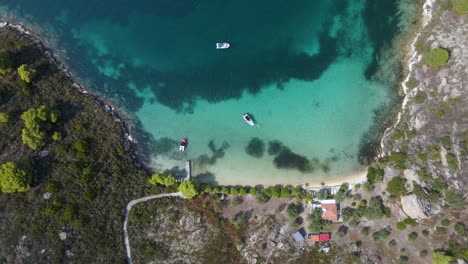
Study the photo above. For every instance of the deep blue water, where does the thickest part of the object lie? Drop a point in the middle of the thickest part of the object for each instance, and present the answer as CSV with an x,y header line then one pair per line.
x,y
304,69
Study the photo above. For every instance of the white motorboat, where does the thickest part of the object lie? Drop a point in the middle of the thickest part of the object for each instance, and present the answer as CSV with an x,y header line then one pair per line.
x,y
182,145
248,119
223,45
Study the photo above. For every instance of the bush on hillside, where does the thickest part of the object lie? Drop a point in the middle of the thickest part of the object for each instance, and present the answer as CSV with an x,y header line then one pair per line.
x,y
5,63
26,73
436,58
459,228
396,186
13,178
374,174
460,6
4,117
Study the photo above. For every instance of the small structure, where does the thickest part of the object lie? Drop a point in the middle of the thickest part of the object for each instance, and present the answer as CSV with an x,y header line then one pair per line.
x,y
318,238
299,235
329,208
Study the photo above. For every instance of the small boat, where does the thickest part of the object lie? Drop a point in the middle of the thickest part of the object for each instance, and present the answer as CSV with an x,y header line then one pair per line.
x,y
248,119
222,45
182,145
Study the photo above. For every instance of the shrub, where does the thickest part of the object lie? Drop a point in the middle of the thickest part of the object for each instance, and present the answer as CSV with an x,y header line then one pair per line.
x,y
188,189
82,146
5,63
285,192
365,231
296,191
425,232
396,186
294,210
411,83
460,6
459,228
225,190
56,136
439,257
400,225
242,191
455,199
423,254
4,117
420,97
236,201
14,178
404,259
436,58
51,188
382,234
368,187
316,221
441,230
253,191
399,159
452,161
374,174
342,230
392,243
445,222
26,73
410,221
413,236
208,189
262,198
375,209
233,191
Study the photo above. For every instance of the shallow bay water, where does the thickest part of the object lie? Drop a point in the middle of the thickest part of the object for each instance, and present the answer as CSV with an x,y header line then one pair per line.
x,y
302,69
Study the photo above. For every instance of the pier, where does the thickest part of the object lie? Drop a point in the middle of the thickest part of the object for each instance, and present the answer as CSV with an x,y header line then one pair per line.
x,y
188,170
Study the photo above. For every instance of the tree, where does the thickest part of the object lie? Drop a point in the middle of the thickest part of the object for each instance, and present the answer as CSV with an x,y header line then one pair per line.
x,y
3,117
156,179
188,189
242,191
5,63
460,6
454,199
436,58
233,191
285,192
316,221
253,191
413,236
439,257
459,228
342,230
262,198
296,191
374,174
56,136
208,189
13,178
294,210
169,180
400,225
26,73
82,146
36,123
322,194
396,186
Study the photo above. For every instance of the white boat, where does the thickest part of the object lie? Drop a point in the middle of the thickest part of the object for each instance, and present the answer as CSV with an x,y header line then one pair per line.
x,y
248,119
182,145
222,45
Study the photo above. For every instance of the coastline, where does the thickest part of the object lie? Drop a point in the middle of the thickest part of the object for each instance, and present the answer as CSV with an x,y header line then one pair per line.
x,y
411,58
118,117
352,178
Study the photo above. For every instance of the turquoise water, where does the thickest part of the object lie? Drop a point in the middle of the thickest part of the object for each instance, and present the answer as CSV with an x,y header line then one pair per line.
x,y
303,70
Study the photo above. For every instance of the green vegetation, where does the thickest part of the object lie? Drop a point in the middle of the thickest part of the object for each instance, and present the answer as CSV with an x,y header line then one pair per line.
x,y
5,63
188,189
382,234
445,222
459,228
410,221
460,6
401,225
14,178
4,117
36,124
342,193
342,230
420,97
425,232
455,199
396,186
439,257
365,231
399,159
441,230
374,174
26,73
452,161
316,222
413,236
392,243
294,210
82,146
56,136
436,58
411,83
423,253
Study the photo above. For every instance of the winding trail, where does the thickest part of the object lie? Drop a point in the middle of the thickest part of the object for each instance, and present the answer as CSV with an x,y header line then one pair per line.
x,y
127,214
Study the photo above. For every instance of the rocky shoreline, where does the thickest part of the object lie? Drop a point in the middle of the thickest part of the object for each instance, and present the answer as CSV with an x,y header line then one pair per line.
x,y
128,139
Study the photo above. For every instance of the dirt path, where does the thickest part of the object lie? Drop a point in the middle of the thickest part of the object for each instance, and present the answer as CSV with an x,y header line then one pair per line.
x,y
127,215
